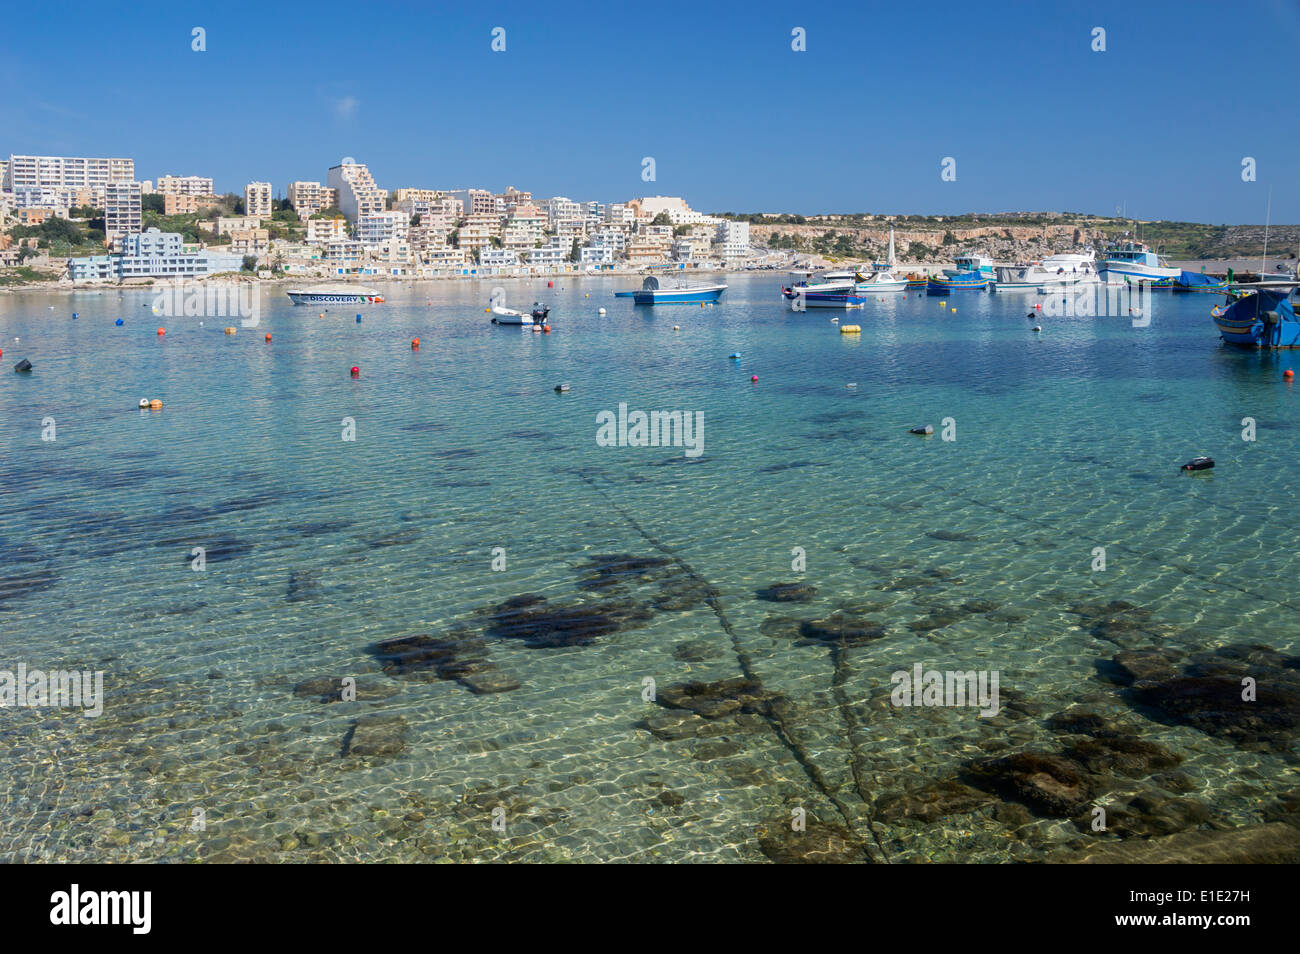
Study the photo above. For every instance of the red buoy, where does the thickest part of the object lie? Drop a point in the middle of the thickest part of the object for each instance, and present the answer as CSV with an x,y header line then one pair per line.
x,y
356,372
754,378
1288,374
550,284
268,336
162,331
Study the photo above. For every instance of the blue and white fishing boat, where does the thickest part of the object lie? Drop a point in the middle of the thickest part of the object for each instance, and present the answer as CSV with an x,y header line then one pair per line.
x,y
659,291
944,284
973,264
812,296
1263,316
1129,262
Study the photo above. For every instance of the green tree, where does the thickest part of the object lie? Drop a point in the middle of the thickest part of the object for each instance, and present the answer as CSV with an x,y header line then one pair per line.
x,y
662,219
250,263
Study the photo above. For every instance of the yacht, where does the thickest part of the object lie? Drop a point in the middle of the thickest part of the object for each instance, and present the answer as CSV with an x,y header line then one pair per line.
x,y
1133,261
881,278
1066,268
339,293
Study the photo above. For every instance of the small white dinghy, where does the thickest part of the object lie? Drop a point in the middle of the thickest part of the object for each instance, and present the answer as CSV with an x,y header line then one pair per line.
x,y
508,316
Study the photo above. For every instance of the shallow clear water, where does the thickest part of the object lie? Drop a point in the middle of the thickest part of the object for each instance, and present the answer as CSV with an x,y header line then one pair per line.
x,y
1066,440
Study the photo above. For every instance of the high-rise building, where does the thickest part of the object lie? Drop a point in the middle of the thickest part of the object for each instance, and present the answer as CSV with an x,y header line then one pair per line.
x,y
257,199
72,172
122,210
308,198
357,193
183,185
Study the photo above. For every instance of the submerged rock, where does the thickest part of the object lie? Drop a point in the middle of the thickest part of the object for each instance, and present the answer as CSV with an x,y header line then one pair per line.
x,y
841,629
460,656
540,624
376,735
1048,784
952,536
787,593
1271,843
716,700
932,802
1213,693
1122,755
1146,815
1141,665
820,843
330,689
696,650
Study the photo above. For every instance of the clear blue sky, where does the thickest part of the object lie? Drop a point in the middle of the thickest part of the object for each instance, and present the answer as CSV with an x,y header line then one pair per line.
x,y
735,120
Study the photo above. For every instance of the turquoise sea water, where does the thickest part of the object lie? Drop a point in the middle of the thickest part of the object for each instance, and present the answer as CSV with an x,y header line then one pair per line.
x,y
1066,440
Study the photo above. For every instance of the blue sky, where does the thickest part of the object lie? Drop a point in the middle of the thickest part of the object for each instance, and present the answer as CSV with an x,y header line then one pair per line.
x,y
734,118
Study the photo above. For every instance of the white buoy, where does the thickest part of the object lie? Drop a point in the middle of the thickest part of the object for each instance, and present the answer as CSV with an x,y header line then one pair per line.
x,y
600,311
1038,327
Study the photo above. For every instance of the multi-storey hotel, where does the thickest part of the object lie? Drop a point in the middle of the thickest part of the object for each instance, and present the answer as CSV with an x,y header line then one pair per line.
x,y
308,198
183,185
356,189
67,172
257,199
123,214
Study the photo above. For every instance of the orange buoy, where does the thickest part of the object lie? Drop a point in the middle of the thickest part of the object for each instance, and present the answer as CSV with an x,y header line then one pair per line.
x,y
162,331
229,331
546,329
1288,374
155,405
415,344
268,336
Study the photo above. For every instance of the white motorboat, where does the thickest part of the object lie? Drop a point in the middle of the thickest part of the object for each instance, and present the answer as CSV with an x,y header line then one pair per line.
x,y
1065,268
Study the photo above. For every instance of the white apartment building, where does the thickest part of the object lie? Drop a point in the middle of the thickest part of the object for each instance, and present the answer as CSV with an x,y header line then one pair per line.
x,y
375,229
324,231
498,257
123,210
356,190
733,239
183,185
478,202
549,255
610,237
55,197
596,255
618,213
67,171
525,228
257,199
308,198
478,231
227,224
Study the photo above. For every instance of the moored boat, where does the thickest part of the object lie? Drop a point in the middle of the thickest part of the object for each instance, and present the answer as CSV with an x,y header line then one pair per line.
x,y
944,284
1129,262
1064,268
657,291
803,296
1263,316
338,293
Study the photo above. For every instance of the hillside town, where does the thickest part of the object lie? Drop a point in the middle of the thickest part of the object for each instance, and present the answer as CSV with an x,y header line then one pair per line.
x,y
92,220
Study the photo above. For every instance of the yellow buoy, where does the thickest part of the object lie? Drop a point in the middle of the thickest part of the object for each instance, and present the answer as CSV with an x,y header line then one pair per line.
x,y
230,331
954,311
850,329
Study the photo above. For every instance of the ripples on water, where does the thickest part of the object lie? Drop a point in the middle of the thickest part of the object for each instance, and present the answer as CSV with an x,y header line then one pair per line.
x,y
637,563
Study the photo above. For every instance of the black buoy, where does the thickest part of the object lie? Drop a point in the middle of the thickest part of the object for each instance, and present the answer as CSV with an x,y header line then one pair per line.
x,y
23,366
1199,463
926,430
561,388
